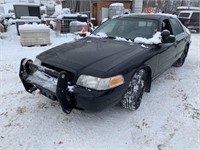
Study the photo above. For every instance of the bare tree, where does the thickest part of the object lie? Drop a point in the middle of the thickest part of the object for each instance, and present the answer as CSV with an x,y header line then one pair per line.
x,y
170,6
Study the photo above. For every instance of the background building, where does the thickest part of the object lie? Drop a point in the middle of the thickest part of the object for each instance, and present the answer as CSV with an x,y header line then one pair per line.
x,y
99,8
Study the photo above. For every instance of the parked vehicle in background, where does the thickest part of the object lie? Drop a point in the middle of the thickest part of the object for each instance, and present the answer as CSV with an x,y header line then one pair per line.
x,y
183,8
190,19
115,64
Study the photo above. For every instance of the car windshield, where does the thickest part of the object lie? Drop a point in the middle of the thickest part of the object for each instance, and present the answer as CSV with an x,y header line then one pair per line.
x,y
128,28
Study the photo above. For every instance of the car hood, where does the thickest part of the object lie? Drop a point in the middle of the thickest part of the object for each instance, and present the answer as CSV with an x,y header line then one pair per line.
x,y
92,56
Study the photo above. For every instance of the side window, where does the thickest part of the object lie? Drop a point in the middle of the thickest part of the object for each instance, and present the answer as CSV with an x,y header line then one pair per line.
x,y
167,26
177,28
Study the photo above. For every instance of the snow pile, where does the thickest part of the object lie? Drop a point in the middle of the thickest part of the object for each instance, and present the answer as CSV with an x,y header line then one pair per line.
x,y
33,27
99,35
71,15
71,88
104,20
78,23
116,16
102,35
117,5
60,11
7,6
120,39
58,8
46,81
27,4
123,39
156,39
52,6
30,17
144,46
2,35
65,11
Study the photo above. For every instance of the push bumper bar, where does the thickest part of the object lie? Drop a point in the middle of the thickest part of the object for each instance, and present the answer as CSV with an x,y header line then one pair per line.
x,y
51,83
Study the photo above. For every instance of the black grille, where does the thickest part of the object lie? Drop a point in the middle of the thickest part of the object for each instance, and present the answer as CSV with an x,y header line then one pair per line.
x,y
70,75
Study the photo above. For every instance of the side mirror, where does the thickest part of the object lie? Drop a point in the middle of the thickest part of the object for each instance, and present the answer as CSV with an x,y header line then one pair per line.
x,y
165,33
166,37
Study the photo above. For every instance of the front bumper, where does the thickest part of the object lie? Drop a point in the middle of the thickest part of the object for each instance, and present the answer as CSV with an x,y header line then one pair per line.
x,y
55,86
95,101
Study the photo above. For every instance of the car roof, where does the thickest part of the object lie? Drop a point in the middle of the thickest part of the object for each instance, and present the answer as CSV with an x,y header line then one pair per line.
x,y
156,16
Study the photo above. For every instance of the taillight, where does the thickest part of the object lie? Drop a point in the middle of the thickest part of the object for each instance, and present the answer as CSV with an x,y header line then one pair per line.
x,y
188,22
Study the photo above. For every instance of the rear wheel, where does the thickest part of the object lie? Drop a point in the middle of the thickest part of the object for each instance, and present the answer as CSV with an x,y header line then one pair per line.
x,y
181,60
133,96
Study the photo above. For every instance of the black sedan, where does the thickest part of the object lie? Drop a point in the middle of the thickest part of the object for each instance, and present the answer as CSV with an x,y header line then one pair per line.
x,y
115,64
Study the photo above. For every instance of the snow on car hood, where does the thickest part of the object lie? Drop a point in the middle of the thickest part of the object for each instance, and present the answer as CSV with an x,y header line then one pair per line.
x,y
156,39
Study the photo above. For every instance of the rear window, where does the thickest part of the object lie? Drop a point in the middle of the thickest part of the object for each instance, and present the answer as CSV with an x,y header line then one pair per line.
x,y
184,14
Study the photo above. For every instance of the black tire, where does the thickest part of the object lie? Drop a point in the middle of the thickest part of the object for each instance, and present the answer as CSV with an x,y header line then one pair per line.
x,y
133,96
198,30
181,60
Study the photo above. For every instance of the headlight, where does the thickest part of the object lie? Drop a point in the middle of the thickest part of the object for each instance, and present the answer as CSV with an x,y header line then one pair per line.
x,y
100,83
37,61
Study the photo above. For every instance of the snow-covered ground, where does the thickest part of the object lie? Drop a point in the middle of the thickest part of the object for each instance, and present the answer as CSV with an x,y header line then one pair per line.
x,y
169,116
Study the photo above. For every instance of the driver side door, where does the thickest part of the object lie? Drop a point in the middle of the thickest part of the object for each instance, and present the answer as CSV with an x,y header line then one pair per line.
x,y
167,51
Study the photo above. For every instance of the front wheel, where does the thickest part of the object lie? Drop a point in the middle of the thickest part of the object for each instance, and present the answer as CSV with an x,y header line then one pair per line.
x,y
132,97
